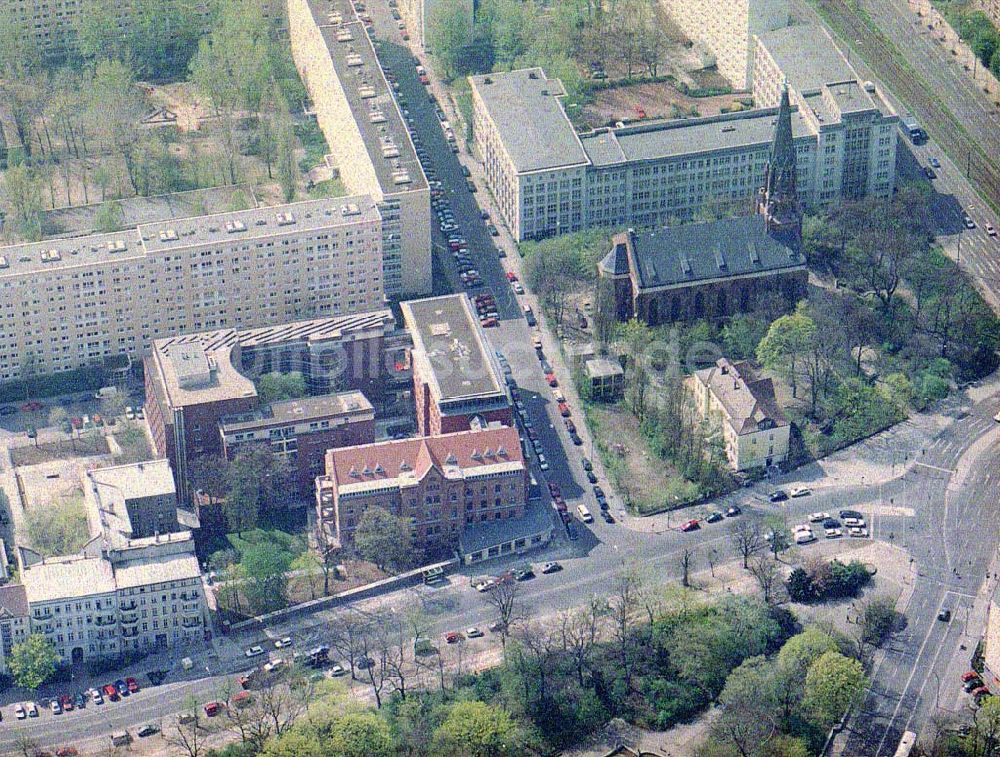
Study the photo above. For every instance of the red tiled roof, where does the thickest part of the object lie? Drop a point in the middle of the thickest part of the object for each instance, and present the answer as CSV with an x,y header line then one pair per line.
x,y
386,460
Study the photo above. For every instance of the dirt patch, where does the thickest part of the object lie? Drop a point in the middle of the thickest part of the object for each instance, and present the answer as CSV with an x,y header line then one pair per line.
x,y
660,100
355,573
87,446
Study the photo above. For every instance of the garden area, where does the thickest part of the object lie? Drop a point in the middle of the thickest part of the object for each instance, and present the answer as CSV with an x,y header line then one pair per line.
x,y
975,27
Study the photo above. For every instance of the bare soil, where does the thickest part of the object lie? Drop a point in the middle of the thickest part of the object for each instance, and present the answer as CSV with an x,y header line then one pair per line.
x,y
661,100
86,446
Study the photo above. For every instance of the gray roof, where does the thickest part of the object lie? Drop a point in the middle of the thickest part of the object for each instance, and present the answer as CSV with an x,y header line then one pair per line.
x,y
807,72
529,118
299,410
702,251
449,349
477,537
656,140
147,479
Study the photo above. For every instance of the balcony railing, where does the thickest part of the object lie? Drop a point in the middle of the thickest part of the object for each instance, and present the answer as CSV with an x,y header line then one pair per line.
x,y
131,605
128,618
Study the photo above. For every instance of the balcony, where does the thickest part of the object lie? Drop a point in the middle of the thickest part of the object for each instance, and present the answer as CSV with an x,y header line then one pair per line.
x,y
105,620
130,633
129,618
190,621
43,615
130,605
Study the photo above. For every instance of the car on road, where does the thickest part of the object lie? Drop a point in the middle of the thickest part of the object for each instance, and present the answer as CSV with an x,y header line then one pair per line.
x,y
733,511
523,573
800,491
778,496
857,532
854,522
969,223
970,675
935,162
818,517
804,537
833,533
254,651
56,707
691,525
473,633
284,641
148,730
944,615
714,517
493,231
551,567
990,230
453,637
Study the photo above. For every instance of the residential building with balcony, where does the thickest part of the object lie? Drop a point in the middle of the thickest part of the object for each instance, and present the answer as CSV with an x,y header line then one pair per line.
x,y
457,381
14,623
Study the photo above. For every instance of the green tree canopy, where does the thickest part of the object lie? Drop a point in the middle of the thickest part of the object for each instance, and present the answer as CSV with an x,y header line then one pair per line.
x,y
785,345
834,683
265,571
384,539
449,31
476,729
275,386
295,742
361,734
33,661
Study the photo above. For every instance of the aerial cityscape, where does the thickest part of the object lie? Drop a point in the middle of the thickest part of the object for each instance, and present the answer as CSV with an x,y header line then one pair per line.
x,y
500,378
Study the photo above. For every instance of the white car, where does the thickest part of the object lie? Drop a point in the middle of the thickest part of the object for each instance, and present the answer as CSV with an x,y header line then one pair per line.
x,y
800,491
818,517
273,665
858,532
543,463
285,641
254,651
96,695
337,670
516,286
804,537
32,709
833,533
802,527
854,522
19,711
473,633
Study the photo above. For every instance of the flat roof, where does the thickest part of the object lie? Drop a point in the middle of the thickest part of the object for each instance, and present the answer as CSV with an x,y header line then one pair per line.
x,y
156,570
703,251
300,410
656,140
478,537
530,119
151,478
58,578
357,67
450,349
272,221
807,56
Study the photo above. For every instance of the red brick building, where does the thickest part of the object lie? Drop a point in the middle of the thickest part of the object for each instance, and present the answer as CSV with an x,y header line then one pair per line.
x,y
442,484
457,382
195,380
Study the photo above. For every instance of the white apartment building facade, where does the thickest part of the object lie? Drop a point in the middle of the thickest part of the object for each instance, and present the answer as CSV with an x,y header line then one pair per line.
x,y
549,180
66,303
369,143
727,29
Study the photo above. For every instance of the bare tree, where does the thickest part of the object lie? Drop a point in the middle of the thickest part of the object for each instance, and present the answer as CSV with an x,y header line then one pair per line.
x,y
687,560
393,638
503,598
579,630
374,660
624,605
25,745
747,536
346,636
768,575
536,650
187,734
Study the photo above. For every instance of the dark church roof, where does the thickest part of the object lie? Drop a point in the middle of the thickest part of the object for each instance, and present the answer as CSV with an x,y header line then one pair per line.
x,y
615,263
700,251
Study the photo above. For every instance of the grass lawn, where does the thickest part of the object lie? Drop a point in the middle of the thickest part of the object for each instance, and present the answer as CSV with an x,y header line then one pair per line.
x,y
63,449
327,188
648,483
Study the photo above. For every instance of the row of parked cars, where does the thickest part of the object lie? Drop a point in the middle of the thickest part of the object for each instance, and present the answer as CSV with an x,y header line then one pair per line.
x,y
69,702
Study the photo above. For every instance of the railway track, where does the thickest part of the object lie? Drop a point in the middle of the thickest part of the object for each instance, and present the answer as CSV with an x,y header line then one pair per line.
x,y
887,61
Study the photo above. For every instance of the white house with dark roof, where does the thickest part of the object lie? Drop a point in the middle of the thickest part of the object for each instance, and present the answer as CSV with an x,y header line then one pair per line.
x,y
754,428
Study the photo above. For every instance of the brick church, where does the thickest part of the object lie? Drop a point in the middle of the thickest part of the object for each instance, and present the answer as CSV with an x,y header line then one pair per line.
x,y
720,268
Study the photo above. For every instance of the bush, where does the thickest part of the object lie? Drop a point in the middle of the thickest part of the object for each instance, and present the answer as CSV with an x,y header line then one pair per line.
x,y
833,580
83,379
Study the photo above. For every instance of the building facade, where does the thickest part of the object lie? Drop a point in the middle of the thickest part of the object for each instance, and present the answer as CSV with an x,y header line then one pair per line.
x,y
369,143
457,382
66,303
755,431
728,29
302,430
548,180
113,599
14,623
441,484
133,501
195,381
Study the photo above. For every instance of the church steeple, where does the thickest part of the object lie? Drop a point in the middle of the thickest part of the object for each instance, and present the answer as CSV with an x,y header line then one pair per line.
x,y
778,201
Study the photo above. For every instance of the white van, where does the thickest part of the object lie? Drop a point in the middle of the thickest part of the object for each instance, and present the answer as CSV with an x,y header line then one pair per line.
x,y
585,515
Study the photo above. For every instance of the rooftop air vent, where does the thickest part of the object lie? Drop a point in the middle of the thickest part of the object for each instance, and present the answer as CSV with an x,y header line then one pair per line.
x,y
487,80
354,60
376,116
286,219
350,209
3,262
116,245
344,35
366,91
401,176
532,75
51,256
168,235
233,226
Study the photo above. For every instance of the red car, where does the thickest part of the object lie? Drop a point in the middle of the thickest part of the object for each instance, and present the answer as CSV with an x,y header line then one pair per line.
x,y
67,702
489,323
564,410
453,637
640,111
511,276
966,677
66,751
424,79
691,525
213,708
133,685
111,692
561,506
551,378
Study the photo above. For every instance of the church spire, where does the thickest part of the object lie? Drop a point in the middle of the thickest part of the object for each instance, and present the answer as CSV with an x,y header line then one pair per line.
x,y
778,202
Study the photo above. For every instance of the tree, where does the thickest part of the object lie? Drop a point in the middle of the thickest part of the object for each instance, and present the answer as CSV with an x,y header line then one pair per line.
x,y
266,581
637,337
449,31
296,743
272,387
22,194
834,683
785,345
256,479
476,729
749,702
778,537
768,575
384,539
187,735
58,528
307,565
118,110
747,537
687,559
876,619
983,740
503,598
209,474
33,661
287,167
623,603
361,734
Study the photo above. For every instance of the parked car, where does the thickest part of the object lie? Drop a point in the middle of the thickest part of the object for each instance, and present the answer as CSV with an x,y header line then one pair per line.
x,y
111,692
133,685
284,641
800,491
67,702
213,708
551,567
691,525
778,496
733,511
833,533
851,514
122,687
32,709
473,633
935,162
56,707
19,712
254,651
714,517
148,730
818,517
79,700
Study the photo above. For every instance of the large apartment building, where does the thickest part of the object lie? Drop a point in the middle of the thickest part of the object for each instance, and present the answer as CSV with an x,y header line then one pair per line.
x,y
201,398
549,180
728,29
67,303
109,599
369,143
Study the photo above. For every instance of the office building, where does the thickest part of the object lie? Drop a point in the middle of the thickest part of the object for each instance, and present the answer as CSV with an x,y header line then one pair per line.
x,y
195,381
754,429
728,29
419,15
441,484
549,180
112,599
133,501
369,143
68,303
302,430
457,382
